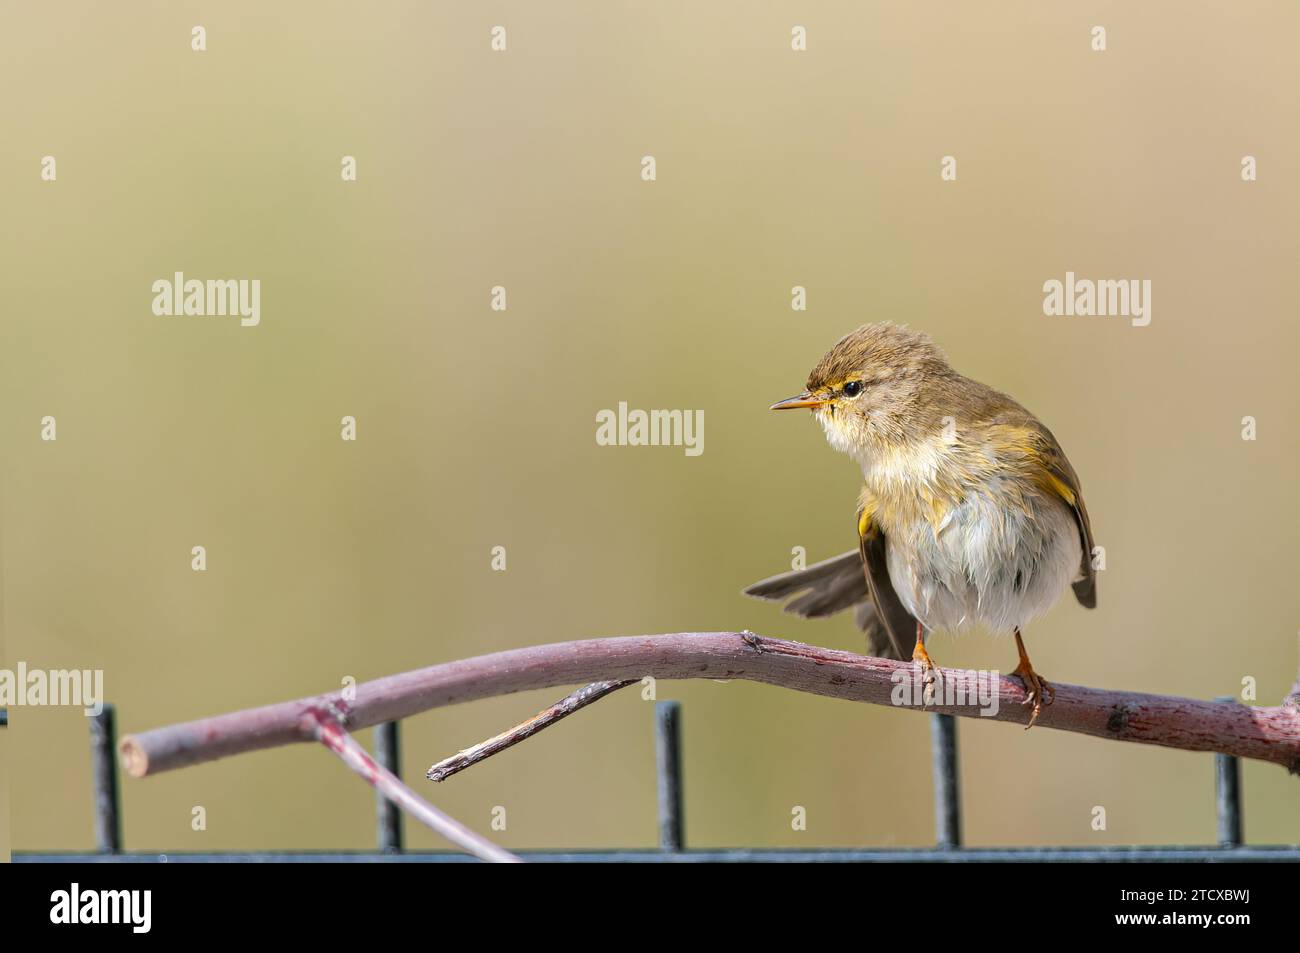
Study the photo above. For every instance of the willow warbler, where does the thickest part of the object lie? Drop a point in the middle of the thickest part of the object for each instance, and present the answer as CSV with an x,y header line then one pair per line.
x,y
969,513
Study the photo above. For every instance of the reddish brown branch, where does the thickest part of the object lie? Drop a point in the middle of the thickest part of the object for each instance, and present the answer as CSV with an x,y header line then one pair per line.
x,y
543,719
332,735
1265,734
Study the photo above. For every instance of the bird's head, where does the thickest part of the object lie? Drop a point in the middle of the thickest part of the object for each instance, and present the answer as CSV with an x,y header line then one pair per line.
x,y
870,389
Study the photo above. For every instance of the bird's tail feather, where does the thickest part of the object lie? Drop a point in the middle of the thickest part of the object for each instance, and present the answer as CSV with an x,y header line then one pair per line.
x,y
826,588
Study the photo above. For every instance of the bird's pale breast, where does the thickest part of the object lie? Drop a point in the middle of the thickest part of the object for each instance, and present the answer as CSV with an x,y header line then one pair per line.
x,y
970,540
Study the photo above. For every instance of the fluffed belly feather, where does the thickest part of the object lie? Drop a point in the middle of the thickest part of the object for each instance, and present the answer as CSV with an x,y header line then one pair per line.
x,y
985,563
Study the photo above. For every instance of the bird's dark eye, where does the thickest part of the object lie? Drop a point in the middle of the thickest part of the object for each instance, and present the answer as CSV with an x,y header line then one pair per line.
x,y
853,388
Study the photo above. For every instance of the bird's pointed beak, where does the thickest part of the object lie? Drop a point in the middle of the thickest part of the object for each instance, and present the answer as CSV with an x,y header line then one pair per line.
x,y
803,400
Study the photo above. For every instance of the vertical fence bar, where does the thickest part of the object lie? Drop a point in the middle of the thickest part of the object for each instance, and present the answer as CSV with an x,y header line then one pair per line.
x,y
103,775
388,752
1227,793
668,761
947,796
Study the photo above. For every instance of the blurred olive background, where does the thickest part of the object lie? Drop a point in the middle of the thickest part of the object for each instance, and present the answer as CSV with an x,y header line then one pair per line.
x,y
329,559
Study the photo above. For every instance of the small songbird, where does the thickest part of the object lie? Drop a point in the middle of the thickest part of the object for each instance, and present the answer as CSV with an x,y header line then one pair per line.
x,y
969,514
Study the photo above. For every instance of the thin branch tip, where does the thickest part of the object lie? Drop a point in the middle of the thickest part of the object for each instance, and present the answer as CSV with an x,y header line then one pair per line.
x,y
566,706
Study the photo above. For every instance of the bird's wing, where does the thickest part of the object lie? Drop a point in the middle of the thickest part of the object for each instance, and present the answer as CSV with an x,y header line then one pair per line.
x,y
1064,483
1024,437
895,620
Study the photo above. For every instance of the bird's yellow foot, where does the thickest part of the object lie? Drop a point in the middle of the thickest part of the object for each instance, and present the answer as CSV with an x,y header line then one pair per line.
x,y
1038,692
929,673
